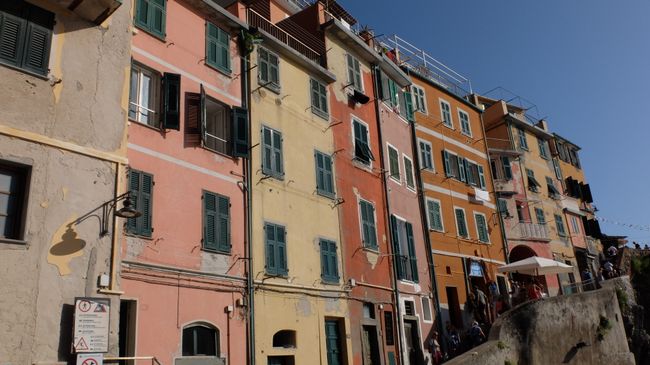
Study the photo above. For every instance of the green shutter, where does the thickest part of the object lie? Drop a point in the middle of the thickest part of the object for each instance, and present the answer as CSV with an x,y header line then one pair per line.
x,y
141,12
171,101
481,177
269,233
37,49
324,181
462,169
410,116
146,204
223,239
502,206
217,48
203,115
276,250
267,151
210,221
393,160
329,258
412,255
283,267
150,16
368,224
12,38
277,154
507,169
240,132
461,223
134,189
397,254
445,157
435,220
481,226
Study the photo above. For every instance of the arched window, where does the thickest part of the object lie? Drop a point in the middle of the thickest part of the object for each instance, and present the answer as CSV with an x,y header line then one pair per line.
x,y
285,338
200,339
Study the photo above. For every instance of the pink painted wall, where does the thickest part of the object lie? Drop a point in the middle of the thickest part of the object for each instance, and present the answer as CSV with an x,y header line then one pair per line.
x,y
182,171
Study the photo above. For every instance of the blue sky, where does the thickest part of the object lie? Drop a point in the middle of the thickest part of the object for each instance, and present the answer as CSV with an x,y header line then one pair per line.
x,y
585,64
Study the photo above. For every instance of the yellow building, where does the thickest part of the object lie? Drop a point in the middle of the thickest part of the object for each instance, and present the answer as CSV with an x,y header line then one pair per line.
x,y
299,314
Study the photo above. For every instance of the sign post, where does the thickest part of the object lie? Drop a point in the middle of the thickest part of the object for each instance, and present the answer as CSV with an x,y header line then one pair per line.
x,y
91,326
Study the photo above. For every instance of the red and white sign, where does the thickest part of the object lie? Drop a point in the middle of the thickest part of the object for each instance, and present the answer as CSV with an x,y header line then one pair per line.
x,y
91,326
90,359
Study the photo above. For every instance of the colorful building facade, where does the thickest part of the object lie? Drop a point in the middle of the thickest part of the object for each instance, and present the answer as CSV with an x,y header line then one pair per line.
x,y
184,260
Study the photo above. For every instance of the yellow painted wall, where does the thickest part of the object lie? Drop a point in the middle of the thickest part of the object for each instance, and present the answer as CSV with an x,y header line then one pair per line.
x,y
280,303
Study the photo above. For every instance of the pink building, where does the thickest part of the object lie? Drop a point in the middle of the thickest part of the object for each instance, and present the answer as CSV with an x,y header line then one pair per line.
x,y
183,269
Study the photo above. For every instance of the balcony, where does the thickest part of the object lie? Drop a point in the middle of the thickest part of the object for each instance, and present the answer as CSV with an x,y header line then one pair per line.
x,y
504,186
95,11
258,21
533,231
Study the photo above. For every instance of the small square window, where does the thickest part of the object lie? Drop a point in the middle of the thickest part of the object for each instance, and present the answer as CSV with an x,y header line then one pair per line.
x,y
13,199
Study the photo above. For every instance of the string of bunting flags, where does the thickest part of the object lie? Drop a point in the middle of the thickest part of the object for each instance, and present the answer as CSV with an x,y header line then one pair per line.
x,y
638,227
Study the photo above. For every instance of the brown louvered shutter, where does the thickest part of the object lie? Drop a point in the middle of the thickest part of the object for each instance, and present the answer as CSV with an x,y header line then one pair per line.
x,y
193,118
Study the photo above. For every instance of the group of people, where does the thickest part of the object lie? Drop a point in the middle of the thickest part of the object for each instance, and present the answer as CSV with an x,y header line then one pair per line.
x,y
456,341
523,291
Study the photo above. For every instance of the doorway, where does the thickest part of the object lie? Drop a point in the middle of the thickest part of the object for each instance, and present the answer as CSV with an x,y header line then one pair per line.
x,y
127,334
370,347
333,342
455,315
412,339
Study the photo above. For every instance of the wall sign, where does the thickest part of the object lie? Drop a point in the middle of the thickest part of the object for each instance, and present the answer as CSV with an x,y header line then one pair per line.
x,y
91,325
90,359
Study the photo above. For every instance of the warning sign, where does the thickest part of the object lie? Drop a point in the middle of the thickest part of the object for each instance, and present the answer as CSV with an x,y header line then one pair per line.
x,y
91,327
90,359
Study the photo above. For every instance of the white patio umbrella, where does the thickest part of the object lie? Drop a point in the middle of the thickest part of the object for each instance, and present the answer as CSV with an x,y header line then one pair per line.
x,y
536,266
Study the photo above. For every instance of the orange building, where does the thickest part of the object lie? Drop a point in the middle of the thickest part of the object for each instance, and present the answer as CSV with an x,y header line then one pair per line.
x,y
463,225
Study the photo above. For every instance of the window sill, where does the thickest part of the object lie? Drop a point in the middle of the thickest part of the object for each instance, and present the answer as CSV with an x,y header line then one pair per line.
x,y
450,126
330,282
411,189
224,154
374,250
320,114
157,129
437,230
28,72
149,32
216,251
270,175
133,235
274,88
220,70
396,180
12,244
466,134
331,196
362,165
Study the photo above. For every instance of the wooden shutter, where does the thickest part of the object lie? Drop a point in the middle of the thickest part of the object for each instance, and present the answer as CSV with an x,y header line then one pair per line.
x,y
12,38
134,189
585,192
329,264
157,17
146,200
223,215
462,169
397,254
37,49
141,12
393,161
203,115
445,157
278,164
408,102
210,229
193,118
482,228
507,169
240,132
460,222
281,248
481,177
271,265
171,101
412,255
328,175
267,151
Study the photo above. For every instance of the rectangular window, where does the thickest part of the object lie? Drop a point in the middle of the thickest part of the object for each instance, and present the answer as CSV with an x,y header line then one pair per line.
x,y
543,148
435,215
13,199
556,167
319,98
573,154
276,249
390,91
552,190
141,190
523,143
452,165
329,261
408,172
426,157
482,228
324,177
362,151
388,328
445,111
272,162
216,222
575,225
354,73
144,96
426,309
269,69
461,223
217,48
502,206
539,214
533,184
559,224
368,229
419,98
150,16
507,169
217,134
522,211
465,127
25,36
404,248
393,163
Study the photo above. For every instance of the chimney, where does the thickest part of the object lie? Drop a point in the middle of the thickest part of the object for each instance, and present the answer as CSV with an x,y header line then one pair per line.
x,y
367,35
542,124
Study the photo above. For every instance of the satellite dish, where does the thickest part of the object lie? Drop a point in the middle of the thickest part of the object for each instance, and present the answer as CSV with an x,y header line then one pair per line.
x,y
360,97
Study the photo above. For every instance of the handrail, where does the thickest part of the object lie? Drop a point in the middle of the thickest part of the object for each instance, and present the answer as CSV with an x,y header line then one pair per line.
x,y
257,20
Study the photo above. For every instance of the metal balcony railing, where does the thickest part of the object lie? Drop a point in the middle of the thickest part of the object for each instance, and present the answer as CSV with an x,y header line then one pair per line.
x,y
258,21
533,230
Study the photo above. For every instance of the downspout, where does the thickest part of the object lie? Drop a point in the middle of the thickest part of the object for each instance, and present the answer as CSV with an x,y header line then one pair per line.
x,y
425,228
398,315
245,87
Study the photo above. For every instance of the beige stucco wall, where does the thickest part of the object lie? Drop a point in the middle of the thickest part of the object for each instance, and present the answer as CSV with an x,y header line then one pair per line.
x,y
293,203
69,128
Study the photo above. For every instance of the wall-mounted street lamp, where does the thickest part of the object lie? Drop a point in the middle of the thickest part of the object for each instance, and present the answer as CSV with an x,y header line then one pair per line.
x,y
127,210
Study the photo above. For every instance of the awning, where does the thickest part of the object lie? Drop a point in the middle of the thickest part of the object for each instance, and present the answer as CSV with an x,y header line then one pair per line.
x,y
536,266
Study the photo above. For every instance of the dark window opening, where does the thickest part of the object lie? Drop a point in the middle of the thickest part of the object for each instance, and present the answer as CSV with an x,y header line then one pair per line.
x,y
13,196
200,340
389,329
285,339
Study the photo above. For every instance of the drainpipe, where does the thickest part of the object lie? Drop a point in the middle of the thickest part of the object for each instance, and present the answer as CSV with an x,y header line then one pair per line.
x,y
245,87
425,228
398,315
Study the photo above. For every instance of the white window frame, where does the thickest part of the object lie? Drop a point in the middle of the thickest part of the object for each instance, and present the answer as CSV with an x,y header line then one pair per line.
x,y
155,81
399,169
410,160
433,165
275,87
442,221
423,108
442,113
460,121
430,309
469,236
360,72
487,231
575,226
